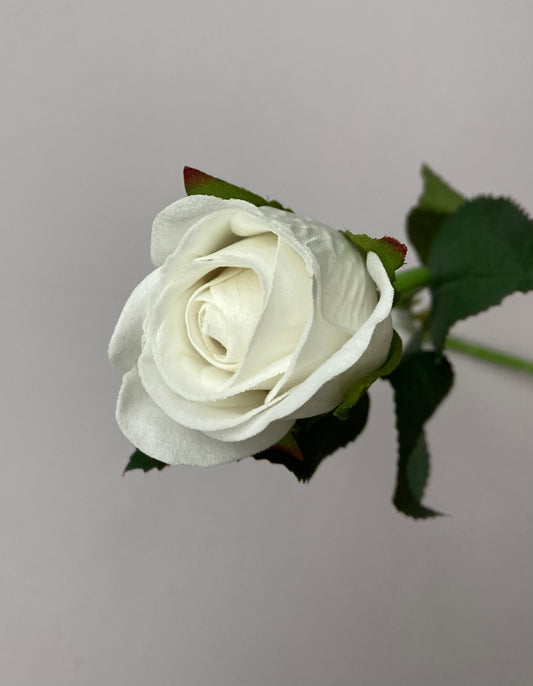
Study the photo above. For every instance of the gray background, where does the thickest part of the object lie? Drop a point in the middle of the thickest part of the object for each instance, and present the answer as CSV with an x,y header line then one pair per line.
x,y
238,575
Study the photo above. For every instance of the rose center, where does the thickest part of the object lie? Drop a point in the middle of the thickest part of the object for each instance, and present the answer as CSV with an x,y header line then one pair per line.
x,y
222,315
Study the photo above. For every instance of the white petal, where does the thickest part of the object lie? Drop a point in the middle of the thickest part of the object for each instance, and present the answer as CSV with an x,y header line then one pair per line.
x,y
125,343
182,368
222,315
366,351
344,294
153,432
334,391
203,415
286,313
172,223
287,290
333,359
345,287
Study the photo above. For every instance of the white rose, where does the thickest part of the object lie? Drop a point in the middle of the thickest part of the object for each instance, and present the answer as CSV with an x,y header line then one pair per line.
x,y
253,318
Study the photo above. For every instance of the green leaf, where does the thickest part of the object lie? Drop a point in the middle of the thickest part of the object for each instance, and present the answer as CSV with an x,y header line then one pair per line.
x,y
437,202
482,253
141,461
199,183
438,196
421,382
390,251
318,437
361,386
422,227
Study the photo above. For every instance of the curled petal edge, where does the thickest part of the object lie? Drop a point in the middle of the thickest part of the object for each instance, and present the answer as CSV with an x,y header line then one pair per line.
x,y
152,431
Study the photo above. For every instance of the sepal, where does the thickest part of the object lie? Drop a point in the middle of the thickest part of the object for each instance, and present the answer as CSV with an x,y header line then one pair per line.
x,y
317,437
199,183
389,250
138,460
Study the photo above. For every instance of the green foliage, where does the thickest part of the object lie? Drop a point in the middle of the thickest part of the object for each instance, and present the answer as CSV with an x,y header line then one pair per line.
x,y
422,227
421,382
437,195
361,386
200,183
141,461
482,253
318,437
390,251
408,283
437,202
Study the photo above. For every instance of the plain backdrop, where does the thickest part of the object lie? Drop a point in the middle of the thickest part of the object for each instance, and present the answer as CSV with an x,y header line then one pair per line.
x,y
238,575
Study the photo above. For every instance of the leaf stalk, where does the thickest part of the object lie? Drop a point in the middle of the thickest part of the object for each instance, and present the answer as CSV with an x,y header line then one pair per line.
x,y
489,354
410,281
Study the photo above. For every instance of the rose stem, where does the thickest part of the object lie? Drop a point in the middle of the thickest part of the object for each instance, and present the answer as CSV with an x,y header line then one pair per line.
x,y
488,354
412,280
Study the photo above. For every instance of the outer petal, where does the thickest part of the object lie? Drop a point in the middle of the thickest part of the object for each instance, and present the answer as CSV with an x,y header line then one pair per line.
x,y
125,343
153,432
344,294
347,293
172,223
333,392
327,386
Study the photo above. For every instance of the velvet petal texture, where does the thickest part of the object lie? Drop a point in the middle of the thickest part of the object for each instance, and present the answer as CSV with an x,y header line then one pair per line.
x,y
253,318
149,429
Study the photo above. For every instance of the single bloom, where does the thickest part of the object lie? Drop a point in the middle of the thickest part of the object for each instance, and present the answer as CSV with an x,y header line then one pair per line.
x,y
253,318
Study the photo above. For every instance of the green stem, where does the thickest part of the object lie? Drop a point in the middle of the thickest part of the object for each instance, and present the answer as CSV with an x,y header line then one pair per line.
x,y
489,354
412,280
